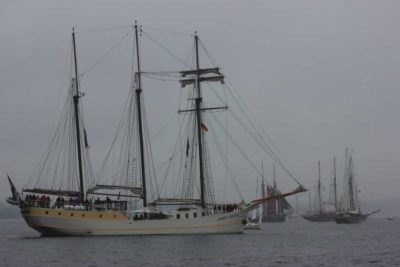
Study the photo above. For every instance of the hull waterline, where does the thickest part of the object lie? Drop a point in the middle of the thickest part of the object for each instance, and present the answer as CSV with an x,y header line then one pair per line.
x,y
320,217
350,218
274,218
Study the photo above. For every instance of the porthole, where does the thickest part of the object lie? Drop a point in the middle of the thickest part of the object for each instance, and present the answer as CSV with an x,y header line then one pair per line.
x,y
59,213
100,215
72,214
47,212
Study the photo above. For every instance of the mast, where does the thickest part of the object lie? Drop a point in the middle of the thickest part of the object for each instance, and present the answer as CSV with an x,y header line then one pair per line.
x,y
213,75
273,166
351,191
76,107
278,201
263,188
138,92
319,187
346,172
198,101
334,184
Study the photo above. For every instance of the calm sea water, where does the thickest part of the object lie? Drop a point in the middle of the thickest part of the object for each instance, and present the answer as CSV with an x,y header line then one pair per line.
x,y
296,242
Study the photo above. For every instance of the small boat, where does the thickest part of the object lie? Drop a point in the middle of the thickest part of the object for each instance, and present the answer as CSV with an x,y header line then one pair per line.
x,y
253,222
391,218
252,226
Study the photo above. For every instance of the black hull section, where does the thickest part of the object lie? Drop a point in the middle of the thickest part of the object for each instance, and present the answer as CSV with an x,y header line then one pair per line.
x,y
350,218
274,218
320,217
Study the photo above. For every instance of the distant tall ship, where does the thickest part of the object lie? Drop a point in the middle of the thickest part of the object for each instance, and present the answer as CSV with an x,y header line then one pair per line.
x,y
349,209
324,213
274,210
67,199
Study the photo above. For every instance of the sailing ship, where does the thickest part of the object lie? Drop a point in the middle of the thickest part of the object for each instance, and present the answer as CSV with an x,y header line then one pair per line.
x,y
323,214
349,209
58,203
274,210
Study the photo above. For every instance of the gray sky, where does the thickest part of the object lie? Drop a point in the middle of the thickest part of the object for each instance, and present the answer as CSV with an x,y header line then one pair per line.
x,y
318,75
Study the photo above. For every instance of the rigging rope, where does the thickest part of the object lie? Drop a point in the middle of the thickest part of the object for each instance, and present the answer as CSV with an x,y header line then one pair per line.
x,y
165,49
227,166
263,143
168,31
105,29
106,54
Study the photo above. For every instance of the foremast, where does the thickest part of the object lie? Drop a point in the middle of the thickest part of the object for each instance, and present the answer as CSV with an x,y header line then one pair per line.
x,y
200,75
77,119
138,92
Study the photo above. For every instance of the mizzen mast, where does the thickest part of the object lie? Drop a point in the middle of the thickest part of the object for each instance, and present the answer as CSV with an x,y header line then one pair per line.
x,y
200,75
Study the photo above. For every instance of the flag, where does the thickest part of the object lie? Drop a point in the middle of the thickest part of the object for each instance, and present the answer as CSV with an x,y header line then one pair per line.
x,y
203,127
187,148
15,194
85,138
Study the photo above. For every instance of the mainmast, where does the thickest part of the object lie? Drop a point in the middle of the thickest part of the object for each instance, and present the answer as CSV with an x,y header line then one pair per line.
x,y
76,107
138,92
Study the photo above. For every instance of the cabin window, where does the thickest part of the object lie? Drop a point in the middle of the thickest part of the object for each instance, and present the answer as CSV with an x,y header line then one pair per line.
x,y
83,215
178,216
100,215
186,215
72,214
59,213
195,215
47,212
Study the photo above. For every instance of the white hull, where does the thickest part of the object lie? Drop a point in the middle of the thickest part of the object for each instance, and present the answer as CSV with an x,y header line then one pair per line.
x,y
67,222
